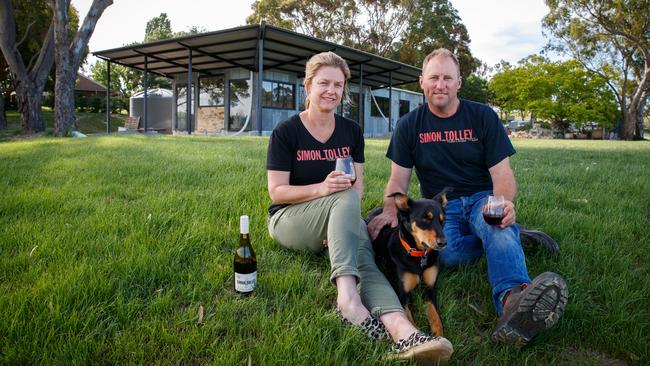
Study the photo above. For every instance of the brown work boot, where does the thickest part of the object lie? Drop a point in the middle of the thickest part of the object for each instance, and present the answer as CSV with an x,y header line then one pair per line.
x,y
530,309
533,238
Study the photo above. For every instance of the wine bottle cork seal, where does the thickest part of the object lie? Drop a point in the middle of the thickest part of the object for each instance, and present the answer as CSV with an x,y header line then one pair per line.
x,y
243,224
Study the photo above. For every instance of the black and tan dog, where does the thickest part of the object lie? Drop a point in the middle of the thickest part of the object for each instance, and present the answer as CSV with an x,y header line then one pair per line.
x,y
408,253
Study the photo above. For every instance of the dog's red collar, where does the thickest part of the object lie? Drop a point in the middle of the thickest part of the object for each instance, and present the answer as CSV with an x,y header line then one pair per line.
x,y
412,251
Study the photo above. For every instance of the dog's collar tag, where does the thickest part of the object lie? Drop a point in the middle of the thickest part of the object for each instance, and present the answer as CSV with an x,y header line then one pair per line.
x,y
412,251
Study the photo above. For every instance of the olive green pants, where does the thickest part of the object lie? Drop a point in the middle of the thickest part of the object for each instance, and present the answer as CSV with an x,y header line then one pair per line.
x,y
336,218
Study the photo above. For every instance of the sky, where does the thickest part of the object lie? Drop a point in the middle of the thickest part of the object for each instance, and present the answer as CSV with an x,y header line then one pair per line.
x,y
499,29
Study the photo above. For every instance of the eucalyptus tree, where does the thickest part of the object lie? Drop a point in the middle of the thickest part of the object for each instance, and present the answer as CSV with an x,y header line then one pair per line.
x,y
68,57
433,24
28,59
610,38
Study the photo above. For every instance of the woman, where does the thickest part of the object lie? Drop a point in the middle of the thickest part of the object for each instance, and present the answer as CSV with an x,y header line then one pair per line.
x,y
314,206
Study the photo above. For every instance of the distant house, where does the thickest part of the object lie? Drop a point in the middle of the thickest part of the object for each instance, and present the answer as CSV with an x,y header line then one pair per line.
x,y
88,87
248,79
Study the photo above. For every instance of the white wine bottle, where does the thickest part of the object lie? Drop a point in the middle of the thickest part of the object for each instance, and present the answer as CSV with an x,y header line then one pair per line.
x,y
245,262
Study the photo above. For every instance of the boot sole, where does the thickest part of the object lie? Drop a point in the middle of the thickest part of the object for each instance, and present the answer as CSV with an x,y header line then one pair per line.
x,y
539,310
431,353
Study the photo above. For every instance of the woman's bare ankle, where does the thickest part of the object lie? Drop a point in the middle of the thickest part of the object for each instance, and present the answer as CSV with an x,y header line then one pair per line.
x,y
398,325
348,300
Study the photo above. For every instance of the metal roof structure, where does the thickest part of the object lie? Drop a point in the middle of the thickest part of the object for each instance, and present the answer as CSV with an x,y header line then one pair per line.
x,y
281,49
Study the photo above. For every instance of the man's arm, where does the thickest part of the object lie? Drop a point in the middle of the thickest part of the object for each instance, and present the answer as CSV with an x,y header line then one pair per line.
x,y
398,182
503,183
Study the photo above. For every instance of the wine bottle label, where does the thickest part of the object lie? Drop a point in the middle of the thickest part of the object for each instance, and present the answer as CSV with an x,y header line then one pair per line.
x,y
245,282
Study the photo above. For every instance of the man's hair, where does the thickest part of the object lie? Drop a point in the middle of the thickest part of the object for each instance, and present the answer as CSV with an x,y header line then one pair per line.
x,y
326,59
443,52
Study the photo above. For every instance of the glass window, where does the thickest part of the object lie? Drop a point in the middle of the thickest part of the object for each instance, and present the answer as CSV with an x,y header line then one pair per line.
x,y
302,94
181,106
240,105
404,107
276,94
211,91
383,104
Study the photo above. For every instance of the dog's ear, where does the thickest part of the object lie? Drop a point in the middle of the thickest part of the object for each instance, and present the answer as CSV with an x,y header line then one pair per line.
x,y
442,196
402,201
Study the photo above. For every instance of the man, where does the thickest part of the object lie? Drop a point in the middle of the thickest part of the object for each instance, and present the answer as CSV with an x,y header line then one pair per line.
x,y
461,144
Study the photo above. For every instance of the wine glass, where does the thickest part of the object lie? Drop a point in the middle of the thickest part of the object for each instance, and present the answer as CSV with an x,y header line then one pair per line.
x,y
493,210
346,165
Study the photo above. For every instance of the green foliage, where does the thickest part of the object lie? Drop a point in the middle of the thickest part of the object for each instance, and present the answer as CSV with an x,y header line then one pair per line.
x,y
474,88
434,24
404,30
125,80
158,28
110,245
33,20
610,37
190,31
561,92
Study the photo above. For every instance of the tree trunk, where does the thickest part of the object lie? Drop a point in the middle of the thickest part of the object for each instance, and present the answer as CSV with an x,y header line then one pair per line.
x,y
629,123
64,115
63,98
28,84
3,116
639,118
68,58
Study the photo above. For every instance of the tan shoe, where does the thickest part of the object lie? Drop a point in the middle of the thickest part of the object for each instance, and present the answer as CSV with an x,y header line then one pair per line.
x,y
422,348
530,309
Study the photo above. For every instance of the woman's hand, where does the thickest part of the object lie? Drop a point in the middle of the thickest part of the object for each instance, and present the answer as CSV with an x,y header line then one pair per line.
x,y
334,182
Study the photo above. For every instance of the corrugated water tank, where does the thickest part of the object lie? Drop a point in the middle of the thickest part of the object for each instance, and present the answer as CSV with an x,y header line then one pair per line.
x,y
159,108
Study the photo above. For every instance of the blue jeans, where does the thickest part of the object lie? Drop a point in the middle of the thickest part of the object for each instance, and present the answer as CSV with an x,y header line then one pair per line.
x,y
469,236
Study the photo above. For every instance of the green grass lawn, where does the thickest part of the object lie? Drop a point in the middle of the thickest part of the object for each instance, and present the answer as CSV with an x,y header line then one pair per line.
x,y
87,123
110,245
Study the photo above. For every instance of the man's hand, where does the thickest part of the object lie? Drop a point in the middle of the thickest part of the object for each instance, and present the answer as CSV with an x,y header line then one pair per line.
x,y
509,214
378,222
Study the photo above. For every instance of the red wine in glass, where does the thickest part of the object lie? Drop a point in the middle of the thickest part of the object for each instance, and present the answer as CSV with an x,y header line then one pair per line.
x,y
492,219
493,210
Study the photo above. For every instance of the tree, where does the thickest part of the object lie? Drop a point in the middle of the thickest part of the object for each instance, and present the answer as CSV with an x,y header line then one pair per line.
x,y
474,88
28,80
372,26
561,92
68,57
435,24
403,30
126,80
29,20
195,29
611,39
158,28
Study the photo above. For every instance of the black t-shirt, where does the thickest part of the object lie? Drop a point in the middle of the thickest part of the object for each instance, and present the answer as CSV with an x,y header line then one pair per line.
x,y
451,152
293,149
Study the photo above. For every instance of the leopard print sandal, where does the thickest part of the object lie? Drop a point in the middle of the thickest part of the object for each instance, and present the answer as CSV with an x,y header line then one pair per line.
x,y
372,327
421,347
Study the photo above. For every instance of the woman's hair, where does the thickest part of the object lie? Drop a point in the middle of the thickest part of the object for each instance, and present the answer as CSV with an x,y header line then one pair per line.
x,y
326,59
